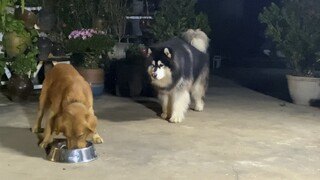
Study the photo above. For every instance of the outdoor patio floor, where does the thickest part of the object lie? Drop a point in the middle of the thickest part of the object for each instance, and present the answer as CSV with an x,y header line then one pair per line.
x,y
241,134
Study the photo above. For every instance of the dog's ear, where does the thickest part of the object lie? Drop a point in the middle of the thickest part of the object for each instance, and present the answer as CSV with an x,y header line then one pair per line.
x,y
60,126
167,52
149,52
146,52
91,122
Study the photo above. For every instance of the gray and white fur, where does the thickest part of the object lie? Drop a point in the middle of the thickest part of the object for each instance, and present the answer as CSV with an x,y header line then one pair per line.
x,y
177,70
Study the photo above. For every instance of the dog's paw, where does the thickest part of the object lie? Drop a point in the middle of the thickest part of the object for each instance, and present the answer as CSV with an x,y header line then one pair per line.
x,y
176,119
97,139
198,107
44,144
164,115
35,129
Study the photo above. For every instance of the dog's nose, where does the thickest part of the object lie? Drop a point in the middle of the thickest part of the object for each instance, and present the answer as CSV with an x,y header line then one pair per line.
x,y
154,74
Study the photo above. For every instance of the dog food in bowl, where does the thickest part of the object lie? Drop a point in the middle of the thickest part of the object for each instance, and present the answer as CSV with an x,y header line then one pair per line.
x,y
59,153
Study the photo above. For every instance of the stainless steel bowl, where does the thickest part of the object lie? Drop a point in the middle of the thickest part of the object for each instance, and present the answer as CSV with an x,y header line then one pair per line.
x,y
59,153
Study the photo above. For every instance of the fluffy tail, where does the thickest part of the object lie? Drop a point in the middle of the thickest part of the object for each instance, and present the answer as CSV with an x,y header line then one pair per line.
x,y
197,39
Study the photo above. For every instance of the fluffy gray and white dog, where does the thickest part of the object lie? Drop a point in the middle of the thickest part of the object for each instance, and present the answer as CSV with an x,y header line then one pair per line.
x,y
178,68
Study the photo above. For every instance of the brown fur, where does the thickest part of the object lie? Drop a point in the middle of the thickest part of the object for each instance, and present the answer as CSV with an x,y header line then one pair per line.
x,y
67,98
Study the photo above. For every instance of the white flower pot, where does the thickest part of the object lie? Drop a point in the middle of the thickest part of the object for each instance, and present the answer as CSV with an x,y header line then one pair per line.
x,y
303,90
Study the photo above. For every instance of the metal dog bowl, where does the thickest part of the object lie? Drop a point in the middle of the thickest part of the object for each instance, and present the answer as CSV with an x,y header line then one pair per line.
x,y
60,153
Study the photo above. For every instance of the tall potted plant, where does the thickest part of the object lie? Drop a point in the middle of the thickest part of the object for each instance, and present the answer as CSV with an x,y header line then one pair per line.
x,y
20,53
88,46
294,28
23,65
16,38
115,12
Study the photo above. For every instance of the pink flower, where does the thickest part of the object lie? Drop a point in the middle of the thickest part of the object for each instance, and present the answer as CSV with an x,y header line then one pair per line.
x,y
83,33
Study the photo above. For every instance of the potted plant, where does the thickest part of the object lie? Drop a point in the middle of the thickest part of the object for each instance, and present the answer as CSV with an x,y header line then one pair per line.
x,y
20,52
115,12
16,38
6,25
130,74
22,64
175,17
22,67
75,14
29,13
294,28
88,46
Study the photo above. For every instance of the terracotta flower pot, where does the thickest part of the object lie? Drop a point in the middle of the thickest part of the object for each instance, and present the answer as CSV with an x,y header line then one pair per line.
x,y
95,78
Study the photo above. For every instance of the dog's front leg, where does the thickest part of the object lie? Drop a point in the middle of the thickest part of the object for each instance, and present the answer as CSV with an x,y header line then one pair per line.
x,y
96,138
180,104
47,139
164,100
37,124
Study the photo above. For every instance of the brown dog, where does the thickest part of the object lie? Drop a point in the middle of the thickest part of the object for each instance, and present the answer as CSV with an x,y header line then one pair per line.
x,y
68,99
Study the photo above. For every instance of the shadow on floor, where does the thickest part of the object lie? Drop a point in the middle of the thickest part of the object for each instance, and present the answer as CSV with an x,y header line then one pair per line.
x,y
21,140
152,105
128,112
271,82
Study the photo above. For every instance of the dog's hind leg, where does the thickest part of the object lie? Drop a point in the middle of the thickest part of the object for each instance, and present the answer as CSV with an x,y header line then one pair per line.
x,y
180,104
41,108
198,91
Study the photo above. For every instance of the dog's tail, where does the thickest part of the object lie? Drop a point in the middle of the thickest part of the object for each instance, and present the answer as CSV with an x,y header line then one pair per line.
x,y
197,39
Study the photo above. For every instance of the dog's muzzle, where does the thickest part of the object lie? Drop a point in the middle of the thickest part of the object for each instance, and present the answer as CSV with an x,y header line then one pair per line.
x,y
154,75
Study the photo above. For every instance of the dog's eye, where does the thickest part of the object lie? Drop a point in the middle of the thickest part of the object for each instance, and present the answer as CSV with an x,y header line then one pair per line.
x,y
161,65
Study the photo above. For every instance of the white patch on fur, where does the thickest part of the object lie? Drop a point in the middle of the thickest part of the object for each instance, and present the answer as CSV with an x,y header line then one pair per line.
x,y
160,73
167,52
197,39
